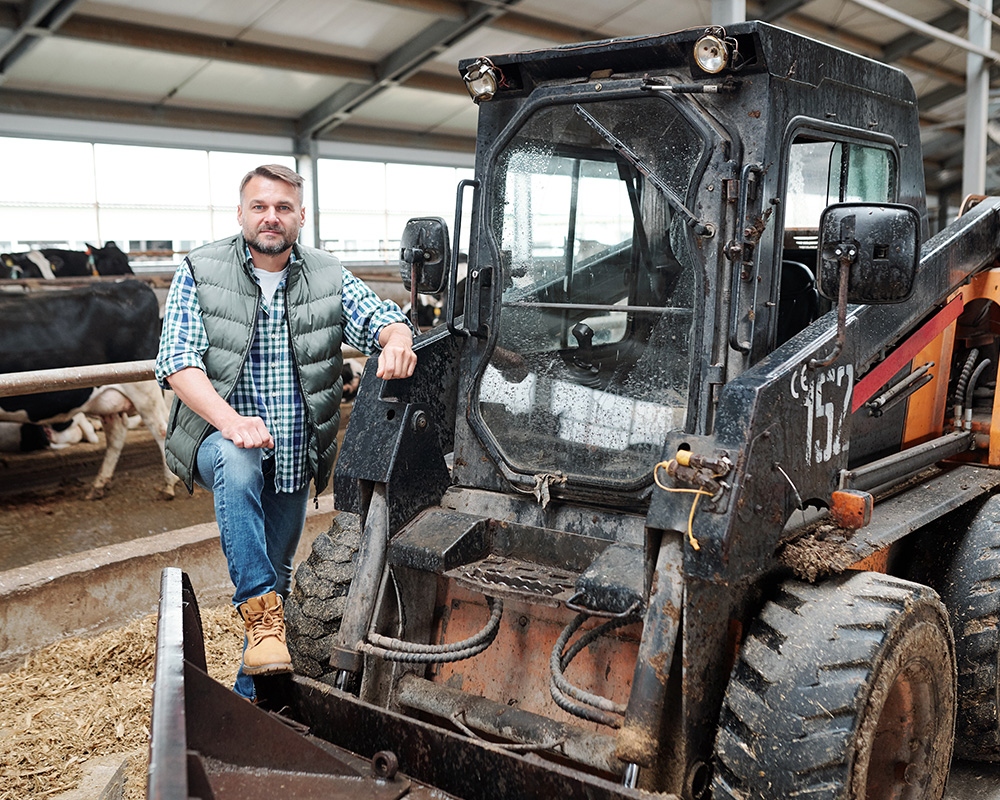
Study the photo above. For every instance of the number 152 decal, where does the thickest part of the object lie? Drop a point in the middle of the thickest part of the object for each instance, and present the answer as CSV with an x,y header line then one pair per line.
x,y
826,396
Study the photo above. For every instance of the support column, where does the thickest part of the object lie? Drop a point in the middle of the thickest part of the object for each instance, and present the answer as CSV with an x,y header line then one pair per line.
x,y
977,88
307,165
726,12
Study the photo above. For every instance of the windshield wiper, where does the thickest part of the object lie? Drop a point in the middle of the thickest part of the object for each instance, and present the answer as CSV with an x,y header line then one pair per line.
x,y
633,158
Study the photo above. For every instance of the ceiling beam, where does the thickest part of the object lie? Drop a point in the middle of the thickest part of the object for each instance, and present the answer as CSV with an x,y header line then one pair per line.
x,y
555,32
389,137
187,43
928,102
880,8
164,40
775,9
17,101
859,44
446,9
908,43
35,19
512,21
398,66
939,96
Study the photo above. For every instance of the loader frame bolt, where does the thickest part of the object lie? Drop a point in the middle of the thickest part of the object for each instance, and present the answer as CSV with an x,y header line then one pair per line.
x,y
385,764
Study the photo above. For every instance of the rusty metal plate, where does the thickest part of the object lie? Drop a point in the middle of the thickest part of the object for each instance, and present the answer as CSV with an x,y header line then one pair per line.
x,y
227,781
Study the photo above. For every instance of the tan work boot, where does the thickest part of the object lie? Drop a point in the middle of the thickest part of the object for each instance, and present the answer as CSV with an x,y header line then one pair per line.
x,y
266,653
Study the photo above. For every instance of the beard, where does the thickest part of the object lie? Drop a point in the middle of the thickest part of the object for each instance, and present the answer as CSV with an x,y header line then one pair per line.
x,y
273,249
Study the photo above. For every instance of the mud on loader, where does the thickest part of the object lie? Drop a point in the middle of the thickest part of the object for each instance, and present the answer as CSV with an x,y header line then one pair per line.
x,y
696,496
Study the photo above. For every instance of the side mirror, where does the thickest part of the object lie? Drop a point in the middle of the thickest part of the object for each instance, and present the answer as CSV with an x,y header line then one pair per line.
x,y
425,254
879,243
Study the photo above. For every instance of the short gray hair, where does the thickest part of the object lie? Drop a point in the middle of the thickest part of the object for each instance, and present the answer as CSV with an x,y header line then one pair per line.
x,y
275,172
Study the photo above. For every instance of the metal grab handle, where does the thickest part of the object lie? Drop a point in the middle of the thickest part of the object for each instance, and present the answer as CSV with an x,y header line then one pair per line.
x,y
455,250
737,283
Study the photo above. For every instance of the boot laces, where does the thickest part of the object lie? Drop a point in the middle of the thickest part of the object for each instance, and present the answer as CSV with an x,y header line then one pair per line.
x,y
265,623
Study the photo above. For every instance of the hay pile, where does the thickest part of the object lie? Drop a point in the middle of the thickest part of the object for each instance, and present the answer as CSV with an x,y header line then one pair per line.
x,y
83,698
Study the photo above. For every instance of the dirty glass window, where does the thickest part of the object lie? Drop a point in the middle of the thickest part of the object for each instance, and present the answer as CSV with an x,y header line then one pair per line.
x,y
821,173
592,361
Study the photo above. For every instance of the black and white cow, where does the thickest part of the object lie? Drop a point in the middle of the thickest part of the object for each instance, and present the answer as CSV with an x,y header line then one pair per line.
x,y
101,324
53,263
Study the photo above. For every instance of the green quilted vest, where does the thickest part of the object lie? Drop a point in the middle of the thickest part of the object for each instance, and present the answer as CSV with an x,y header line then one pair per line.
x,y
229,298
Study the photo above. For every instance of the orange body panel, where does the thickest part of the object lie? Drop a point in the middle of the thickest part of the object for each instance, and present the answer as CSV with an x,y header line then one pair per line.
x,y
514,670
927,409
927,406
876,562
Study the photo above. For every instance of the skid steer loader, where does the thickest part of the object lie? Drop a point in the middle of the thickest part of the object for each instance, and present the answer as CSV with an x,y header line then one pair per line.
x,y
695,495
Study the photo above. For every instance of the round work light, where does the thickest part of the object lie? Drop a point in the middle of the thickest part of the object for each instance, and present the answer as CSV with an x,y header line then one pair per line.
x,y
711,53
481,80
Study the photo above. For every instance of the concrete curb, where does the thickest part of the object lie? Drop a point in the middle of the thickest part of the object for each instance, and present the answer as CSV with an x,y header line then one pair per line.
x,y
90,592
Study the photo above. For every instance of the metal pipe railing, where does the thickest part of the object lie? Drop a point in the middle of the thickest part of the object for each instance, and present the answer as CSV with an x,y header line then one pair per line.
x,y
51,380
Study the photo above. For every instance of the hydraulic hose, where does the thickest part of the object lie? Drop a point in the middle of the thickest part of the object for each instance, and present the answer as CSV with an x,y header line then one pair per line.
x,y
413,653
963,380
587,705
971,390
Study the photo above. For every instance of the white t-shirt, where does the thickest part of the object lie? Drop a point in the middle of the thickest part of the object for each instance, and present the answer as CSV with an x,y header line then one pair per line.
x,y
269,282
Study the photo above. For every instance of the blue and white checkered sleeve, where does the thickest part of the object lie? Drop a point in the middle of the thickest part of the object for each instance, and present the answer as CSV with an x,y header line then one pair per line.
x,y
183,340
365,314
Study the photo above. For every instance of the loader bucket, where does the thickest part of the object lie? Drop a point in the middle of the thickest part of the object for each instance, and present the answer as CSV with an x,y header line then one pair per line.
x,y
208,742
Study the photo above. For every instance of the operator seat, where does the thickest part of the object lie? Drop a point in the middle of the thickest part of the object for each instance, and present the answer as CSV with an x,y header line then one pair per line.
x,y
798,300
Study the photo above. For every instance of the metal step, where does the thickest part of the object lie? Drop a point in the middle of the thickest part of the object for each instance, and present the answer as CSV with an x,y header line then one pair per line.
x,y
514,578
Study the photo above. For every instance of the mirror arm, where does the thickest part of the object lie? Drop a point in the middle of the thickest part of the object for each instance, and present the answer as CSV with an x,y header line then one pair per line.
x,y
847,255
413,298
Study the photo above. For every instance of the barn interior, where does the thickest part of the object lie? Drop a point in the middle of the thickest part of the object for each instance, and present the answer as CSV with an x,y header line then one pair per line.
x,y
131,121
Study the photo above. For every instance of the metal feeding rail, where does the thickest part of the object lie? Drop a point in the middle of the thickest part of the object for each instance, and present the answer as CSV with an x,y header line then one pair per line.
x,y
49,380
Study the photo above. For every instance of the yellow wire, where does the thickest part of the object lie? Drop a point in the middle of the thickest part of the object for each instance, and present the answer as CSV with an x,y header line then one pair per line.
x,y
696,492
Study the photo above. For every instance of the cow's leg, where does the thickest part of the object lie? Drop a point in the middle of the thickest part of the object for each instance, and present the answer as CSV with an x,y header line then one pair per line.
x,y
115,429
147,398
78,430
89,431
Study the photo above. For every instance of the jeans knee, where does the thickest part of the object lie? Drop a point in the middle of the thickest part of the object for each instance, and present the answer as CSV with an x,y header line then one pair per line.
x,y
234,465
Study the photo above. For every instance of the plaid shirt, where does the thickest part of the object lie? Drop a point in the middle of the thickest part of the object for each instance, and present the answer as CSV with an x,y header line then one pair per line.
x,y
268,386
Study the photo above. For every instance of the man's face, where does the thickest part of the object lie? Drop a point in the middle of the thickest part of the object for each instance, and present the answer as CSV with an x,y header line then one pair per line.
x,y
270,214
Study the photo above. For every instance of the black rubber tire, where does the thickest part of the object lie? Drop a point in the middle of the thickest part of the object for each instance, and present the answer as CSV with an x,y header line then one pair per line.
x,y
319,594
824,677
970,589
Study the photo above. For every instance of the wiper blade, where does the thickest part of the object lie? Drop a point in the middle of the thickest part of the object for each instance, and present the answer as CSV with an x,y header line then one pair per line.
x,y
633,158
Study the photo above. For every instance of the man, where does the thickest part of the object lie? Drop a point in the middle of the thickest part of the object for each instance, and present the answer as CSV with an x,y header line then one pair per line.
x,y
251,346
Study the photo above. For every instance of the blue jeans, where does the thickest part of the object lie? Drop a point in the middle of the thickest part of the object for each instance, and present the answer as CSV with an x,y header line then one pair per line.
x,y
259,527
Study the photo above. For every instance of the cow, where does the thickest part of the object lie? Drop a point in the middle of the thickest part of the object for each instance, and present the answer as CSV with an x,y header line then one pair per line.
x,y
100,324
52,263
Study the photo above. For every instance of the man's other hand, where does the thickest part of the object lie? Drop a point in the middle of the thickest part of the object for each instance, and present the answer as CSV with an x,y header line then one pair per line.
x,y
248,432
397,359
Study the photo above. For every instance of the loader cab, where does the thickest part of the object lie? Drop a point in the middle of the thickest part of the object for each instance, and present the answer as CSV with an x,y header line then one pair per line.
x,y
622,272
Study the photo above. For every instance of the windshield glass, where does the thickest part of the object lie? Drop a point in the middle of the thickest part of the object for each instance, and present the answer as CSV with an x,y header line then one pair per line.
x,y
592,362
